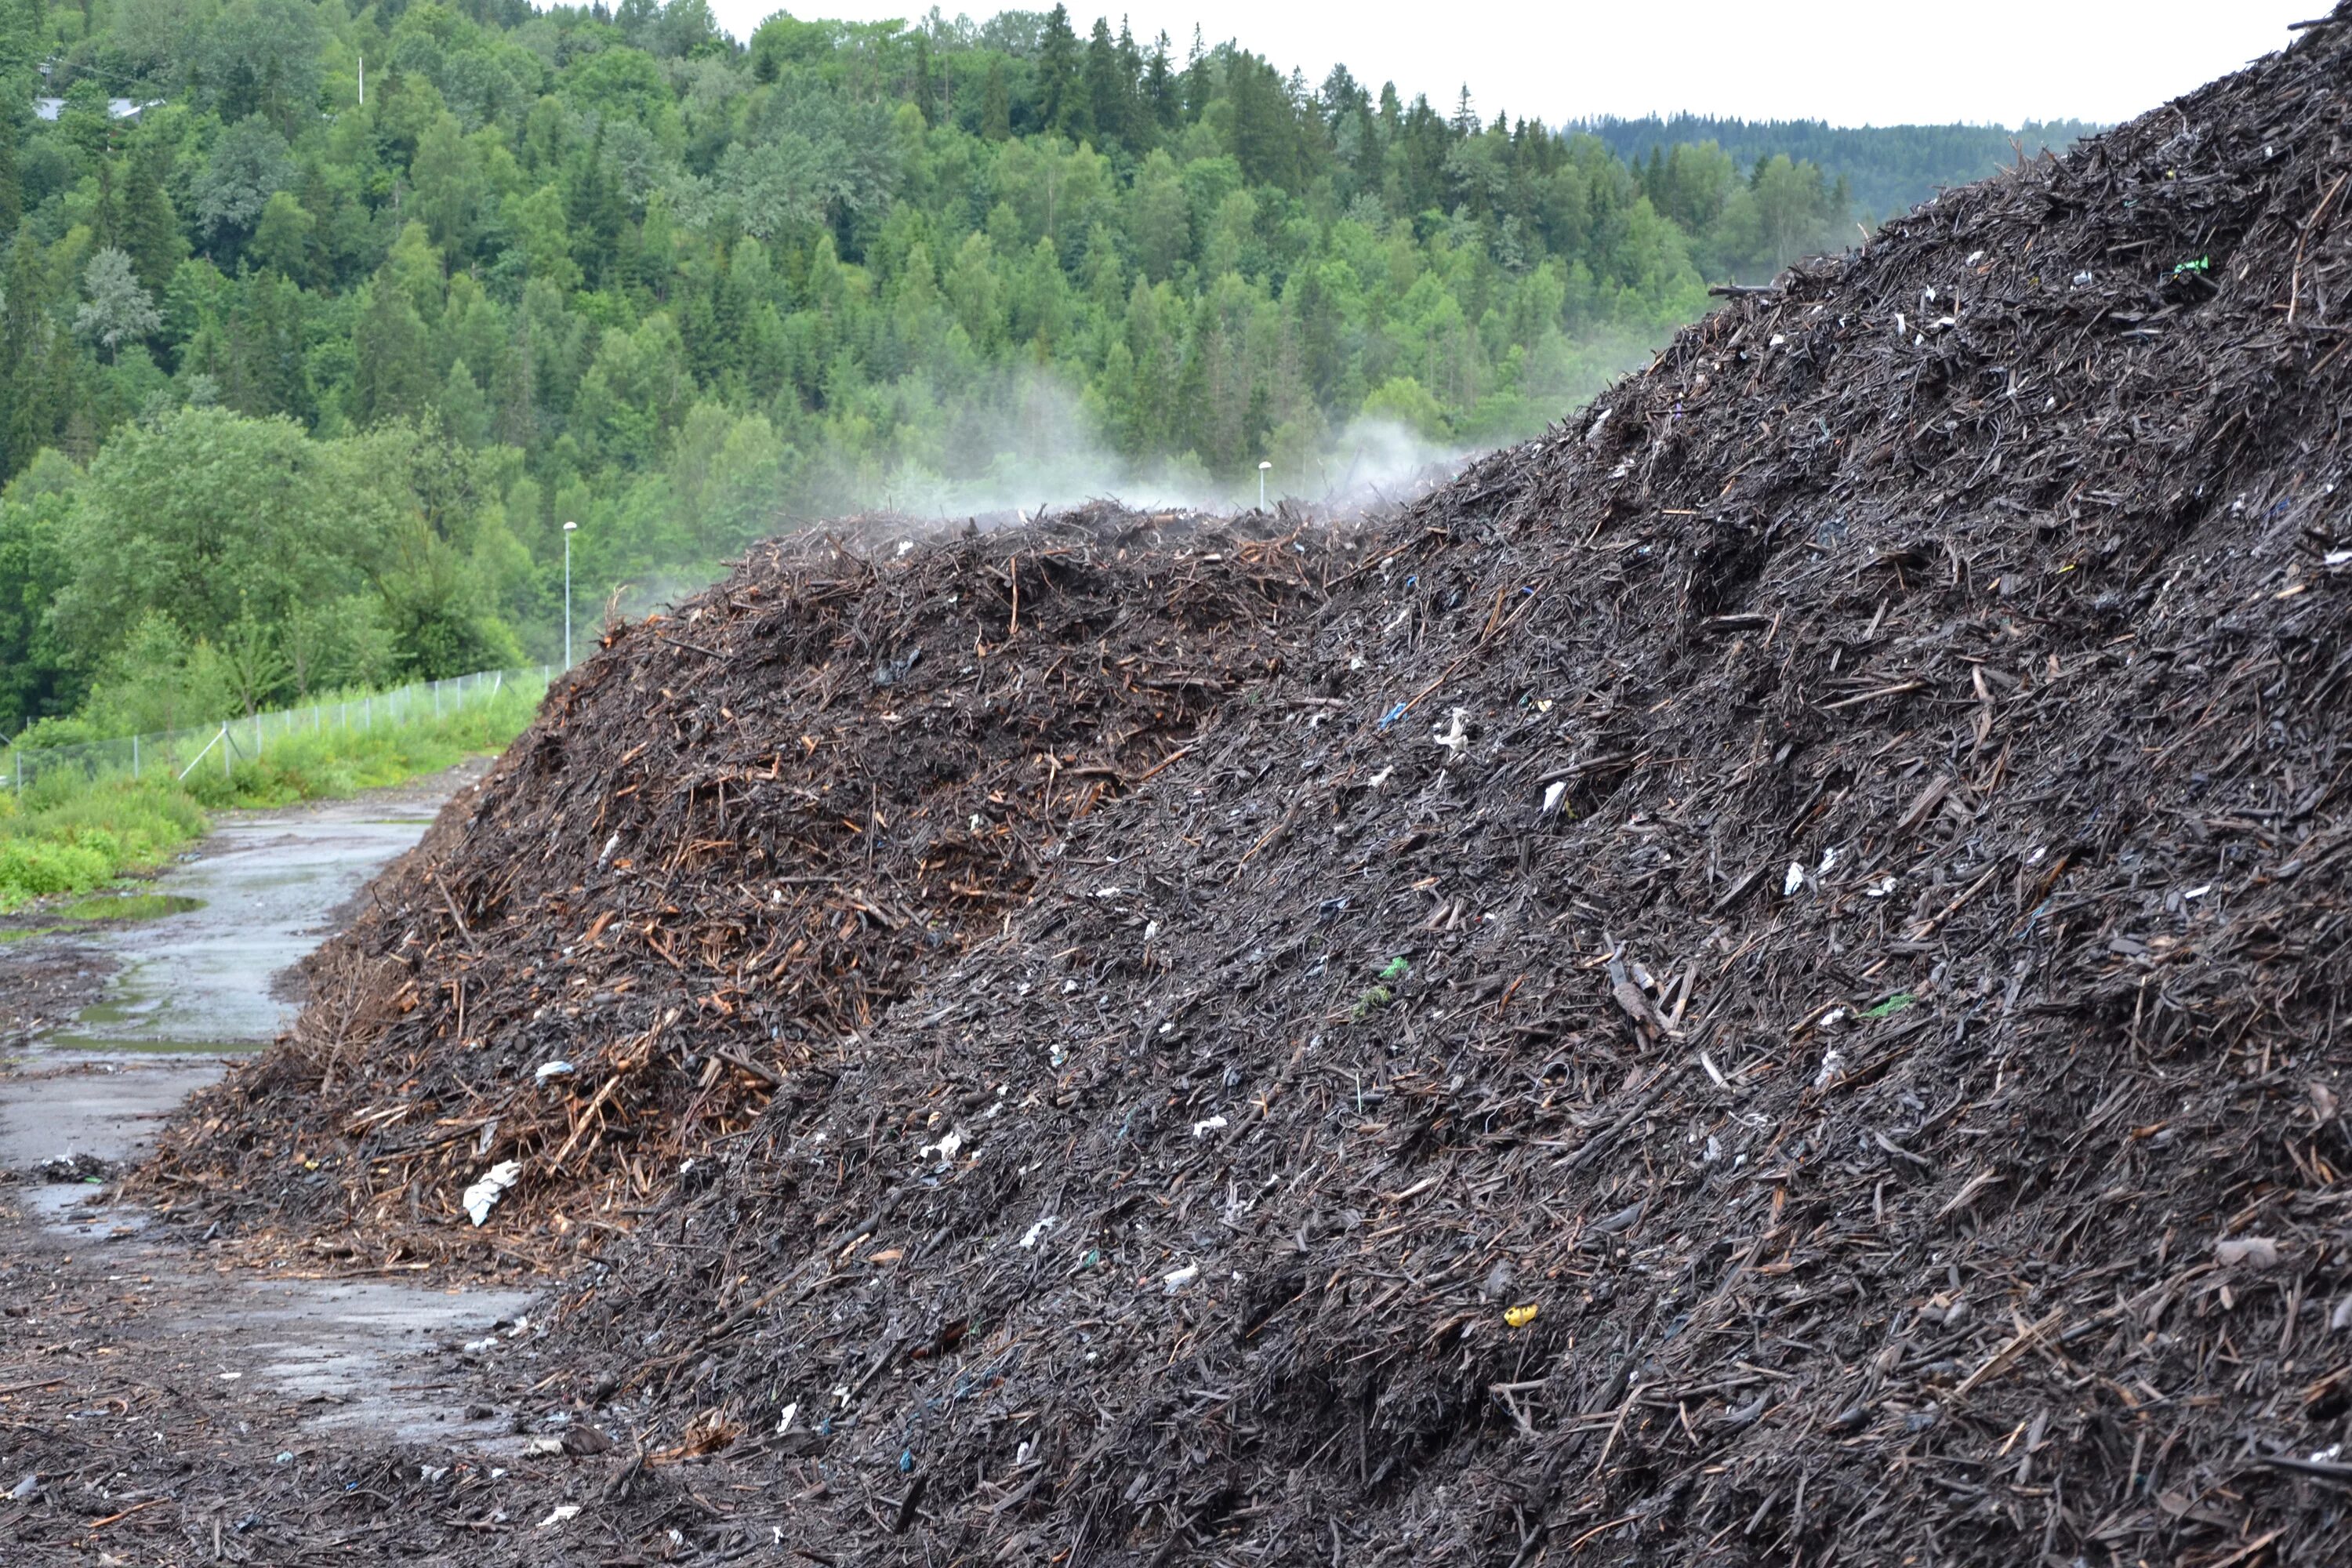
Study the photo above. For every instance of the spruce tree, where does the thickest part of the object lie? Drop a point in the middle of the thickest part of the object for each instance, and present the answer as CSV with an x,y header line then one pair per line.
x,y
1160,89
1105,99
1057,71
149,229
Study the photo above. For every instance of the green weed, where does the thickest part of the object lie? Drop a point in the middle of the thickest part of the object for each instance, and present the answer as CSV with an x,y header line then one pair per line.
x,y
65,834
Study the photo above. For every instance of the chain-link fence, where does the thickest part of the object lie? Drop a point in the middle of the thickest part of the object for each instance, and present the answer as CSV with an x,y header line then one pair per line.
x,y
223,745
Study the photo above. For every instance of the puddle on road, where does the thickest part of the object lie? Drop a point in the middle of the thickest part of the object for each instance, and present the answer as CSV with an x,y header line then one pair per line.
x,y
128,907
124,1022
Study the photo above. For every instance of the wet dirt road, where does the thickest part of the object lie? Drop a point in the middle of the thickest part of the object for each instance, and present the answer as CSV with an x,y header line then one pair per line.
x,y
267,1361
193,988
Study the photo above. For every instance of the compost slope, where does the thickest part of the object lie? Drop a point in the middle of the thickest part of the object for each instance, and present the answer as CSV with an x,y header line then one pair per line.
x,y
1761,986
730,841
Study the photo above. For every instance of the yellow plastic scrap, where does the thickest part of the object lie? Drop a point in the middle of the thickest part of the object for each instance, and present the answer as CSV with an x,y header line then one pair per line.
x,y
1520,1317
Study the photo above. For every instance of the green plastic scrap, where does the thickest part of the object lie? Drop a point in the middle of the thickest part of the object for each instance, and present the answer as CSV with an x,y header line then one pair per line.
x,y
1397,969
2200,264
1891,1005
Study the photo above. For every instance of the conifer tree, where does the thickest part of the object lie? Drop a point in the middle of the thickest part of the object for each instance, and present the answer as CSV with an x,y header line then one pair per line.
x,y
1057,70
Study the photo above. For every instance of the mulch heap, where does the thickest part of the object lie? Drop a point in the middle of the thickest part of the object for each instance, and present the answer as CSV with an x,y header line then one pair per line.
x,y
1762,985
732,840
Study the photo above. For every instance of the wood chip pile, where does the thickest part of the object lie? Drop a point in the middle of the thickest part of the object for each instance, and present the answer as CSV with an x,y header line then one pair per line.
x,y
730,842
1758,982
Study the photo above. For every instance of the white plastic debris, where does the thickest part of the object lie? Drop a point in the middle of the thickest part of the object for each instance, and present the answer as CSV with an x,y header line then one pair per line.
x,y
1553,794
1202,1129
1831,1065
483,1196
610,845
946,1146
1029,1237
2337,558
1794,881
558,1069
561,1514
784,1422
1175,1279
1881,888
1453,737
1829,859
2082,280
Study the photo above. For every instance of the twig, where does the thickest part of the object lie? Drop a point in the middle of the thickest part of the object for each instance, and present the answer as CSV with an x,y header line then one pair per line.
x,y
454,914
29,1387
2295,277
97,1525
2001,1359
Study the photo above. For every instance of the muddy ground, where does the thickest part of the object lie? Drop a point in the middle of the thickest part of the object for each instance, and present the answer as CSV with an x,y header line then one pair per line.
x,y
159,1401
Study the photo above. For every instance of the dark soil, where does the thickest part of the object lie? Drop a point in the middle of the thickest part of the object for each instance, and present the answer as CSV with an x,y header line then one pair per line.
x,y
1760,984
46,977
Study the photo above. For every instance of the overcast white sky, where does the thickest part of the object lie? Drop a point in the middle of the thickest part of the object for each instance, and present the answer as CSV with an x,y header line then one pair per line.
x,y
1852,62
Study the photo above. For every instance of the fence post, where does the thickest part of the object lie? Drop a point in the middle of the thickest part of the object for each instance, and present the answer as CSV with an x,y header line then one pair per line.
x,y
134,759
226,743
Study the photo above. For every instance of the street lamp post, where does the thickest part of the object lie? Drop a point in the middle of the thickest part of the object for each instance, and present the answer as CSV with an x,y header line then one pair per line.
x,y
1262,467
569,529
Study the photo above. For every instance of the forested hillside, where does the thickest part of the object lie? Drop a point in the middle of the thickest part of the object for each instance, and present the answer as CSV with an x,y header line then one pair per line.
x,y
319,322
1887,169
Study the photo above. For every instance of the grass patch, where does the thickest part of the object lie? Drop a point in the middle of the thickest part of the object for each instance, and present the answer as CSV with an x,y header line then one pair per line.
x,y
67,835
126,906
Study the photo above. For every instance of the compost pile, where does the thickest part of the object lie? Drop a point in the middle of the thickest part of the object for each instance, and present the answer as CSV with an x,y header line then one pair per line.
x,y
1761,985
729,842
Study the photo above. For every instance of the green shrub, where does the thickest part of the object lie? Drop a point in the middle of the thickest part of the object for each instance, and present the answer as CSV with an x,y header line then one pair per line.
x,y
30,867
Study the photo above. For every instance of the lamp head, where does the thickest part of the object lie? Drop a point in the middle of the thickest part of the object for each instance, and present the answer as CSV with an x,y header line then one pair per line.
x,y
1266,465
570,526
